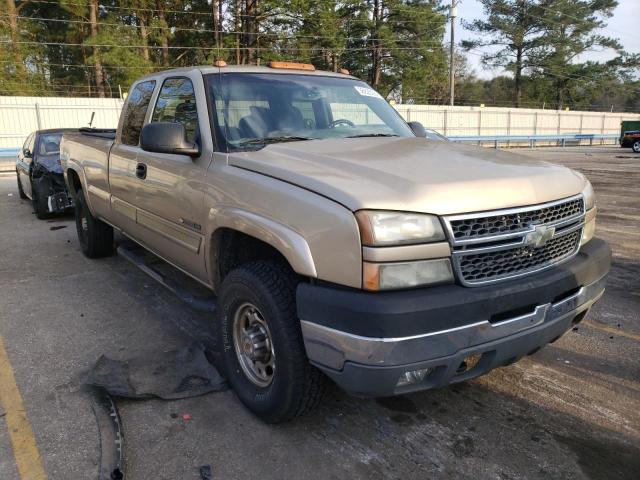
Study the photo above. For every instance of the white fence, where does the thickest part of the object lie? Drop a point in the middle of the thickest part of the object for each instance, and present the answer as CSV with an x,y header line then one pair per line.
x,y
472,121
19,116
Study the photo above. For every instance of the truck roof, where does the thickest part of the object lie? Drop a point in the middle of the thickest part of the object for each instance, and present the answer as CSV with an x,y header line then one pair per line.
x,y
207,69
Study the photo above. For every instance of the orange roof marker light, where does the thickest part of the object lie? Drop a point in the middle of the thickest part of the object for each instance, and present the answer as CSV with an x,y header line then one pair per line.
x,y
344,71
292,66
219,63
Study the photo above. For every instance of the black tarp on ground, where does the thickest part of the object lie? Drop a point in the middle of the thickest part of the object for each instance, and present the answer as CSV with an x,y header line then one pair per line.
x,y
182,373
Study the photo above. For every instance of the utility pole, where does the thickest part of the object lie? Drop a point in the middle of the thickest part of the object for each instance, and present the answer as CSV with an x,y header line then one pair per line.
x,y
453,13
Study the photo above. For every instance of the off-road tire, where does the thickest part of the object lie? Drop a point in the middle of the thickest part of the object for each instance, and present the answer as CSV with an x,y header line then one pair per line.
x,y
40,204
636,146
23,195
297,386
95,236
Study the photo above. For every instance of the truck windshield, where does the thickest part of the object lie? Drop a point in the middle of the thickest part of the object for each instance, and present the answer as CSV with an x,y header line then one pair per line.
x,y
256,109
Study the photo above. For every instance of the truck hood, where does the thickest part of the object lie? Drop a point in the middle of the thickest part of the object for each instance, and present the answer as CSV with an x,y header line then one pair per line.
x,y
412,174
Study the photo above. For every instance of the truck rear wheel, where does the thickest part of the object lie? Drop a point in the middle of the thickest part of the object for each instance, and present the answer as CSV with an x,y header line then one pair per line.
x,y
262,352
95,236
636,146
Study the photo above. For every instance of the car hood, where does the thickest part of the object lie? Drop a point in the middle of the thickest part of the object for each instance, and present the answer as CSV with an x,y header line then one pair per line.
x,y
412,174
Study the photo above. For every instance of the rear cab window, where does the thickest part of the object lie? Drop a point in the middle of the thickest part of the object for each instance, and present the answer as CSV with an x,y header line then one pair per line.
x,y
135,111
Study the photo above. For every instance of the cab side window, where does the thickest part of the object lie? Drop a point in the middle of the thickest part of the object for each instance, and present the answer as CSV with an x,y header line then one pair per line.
x,y
177,104
135,111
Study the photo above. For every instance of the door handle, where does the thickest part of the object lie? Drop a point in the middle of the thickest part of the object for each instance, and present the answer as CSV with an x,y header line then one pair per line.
x,y
141,171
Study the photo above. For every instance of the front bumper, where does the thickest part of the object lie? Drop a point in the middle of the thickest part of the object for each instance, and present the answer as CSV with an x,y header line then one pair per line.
x,y
366,341
51,185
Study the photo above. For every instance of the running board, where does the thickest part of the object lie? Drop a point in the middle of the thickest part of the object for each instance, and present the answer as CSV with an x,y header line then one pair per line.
x,y
207,305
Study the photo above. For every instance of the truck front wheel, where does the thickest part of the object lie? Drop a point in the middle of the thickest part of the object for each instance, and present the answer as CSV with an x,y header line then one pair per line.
x,y
636,146
95,236
262,352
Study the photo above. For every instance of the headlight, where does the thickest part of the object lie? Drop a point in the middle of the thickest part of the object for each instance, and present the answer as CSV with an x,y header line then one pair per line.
x,y
381,228
391,276
589,197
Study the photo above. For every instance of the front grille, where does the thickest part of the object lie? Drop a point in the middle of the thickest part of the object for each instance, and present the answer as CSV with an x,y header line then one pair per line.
x,y
493,246
513,222
489,266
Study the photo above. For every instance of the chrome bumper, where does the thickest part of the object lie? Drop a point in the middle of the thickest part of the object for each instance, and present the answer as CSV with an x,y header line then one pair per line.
x,y
331,349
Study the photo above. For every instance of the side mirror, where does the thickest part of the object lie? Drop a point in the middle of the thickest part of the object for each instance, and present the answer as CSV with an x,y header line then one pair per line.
x,y
167,137
27,153
418,129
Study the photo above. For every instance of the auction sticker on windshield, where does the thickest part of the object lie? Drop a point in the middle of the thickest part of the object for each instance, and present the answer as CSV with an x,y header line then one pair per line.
x,y
367,92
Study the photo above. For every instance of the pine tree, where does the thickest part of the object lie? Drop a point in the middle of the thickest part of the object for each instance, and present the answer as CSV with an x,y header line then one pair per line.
x,y
571,30
516,28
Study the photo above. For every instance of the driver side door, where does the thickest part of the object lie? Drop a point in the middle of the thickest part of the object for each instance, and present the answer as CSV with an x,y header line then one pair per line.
x,y
170,197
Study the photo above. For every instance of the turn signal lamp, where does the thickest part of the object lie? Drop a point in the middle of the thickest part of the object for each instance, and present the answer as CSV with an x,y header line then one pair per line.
x,y
292,66
393,276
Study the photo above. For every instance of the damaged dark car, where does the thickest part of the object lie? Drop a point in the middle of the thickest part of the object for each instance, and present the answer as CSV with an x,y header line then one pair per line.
x,y
39,173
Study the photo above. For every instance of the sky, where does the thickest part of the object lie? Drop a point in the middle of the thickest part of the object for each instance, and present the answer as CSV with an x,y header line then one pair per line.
x,y
623,25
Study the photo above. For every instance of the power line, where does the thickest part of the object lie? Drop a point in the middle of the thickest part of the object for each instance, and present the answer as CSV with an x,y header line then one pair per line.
x,y
294,49
548,71
198,30
119,8
132,10
91,67
174,47
549,9
49,84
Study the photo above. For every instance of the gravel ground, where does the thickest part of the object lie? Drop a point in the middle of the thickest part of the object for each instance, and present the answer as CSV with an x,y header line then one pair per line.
x,y
571,411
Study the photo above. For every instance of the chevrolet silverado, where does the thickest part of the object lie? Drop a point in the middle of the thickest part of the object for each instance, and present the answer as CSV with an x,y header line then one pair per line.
x,y
339,241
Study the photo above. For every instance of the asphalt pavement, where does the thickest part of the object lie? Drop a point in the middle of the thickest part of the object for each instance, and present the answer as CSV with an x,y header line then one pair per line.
x,y
571,411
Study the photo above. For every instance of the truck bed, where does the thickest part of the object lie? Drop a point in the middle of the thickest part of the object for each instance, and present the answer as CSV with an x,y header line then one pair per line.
x,y
88,147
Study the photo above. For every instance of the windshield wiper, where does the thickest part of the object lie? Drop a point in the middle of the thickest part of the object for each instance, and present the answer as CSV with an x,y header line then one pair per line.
x,y
373,135
268,140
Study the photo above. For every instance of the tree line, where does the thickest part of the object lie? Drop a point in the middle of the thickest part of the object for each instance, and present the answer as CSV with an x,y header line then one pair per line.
x,y
545,44
99,47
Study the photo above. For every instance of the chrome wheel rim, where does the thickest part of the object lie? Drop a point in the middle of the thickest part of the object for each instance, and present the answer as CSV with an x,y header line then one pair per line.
x,y
253,345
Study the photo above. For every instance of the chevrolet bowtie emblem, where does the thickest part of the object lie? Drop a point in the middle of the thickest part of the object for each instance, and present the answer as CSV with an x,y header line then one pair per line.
x,y
540,236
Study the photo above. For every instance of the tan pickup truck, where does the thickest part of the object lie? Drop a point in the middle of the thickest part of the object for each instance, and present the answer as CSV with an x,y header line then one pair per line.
x,y
339,241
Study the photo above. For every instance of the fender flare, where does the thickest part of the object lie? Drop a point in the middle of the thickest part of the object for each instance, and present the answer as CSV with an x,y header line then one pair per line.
x,y
78,170
292,245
